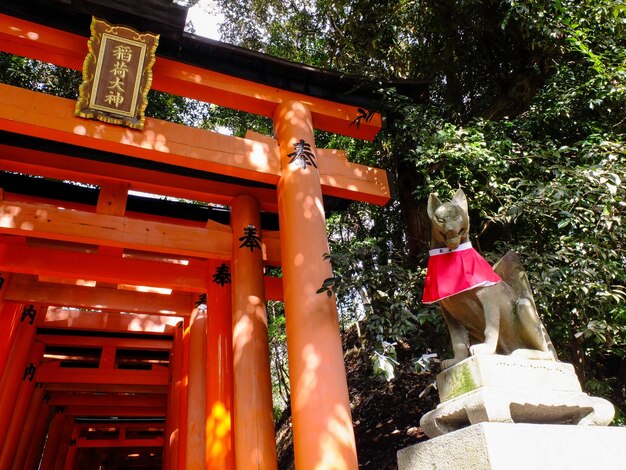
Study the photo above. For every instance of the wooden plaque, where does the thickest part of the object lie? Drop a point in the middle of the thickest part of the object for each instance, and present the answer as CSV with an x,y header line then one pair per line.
x,y
117,74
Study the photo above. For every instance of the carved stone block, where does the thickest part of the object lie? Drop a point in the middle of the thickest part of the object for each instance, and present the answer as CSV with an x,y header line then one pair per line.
x,y
505,371
508,390
502,446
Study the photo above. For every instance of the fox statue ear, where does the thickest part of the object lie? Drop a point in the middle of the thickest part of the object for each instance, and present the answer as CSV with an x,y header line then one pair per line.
x,y
460,200
433,204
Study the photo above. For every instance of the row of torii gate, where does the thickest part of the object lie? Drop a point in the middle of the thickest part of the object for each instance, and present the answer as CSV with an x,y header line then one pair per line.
x,y
108,358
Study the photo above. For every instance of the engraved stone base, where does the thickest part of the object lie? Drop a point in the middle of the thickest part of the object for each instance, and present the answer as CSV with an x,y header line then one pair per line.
x,y
502,446
508,390
505,371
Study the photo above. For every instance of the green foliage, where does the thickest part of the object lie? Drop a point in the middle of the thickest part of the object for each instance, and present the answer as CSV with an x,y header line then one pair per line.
x,y
376,289
236,122
548,183
277,334
384,362
176,109
526,114
39,76
559,206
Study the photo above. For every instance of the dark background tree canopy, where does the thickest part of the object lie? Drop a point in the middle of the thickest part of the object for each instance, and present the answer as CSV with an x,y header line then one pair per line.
x,y
526,112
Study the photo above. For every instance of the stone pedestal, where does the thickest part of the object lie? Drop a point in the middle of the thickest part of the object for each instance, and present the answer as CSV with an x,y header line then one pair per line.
x,y
508,446
506,413
505,389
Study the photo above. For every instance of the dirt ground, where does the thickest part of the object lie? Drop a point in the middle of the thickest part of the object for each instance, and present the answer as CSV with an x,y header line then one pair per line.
x,y
385,414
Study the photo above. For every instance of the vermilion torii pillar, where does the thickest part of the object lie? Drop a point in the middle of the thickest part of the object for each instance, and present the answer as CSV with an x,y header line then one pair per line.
x,y
22,403
322,423
196,395
53,441
255,446
16,363
34,429
172,429
9,319
10,313
184,398
219,387
64,443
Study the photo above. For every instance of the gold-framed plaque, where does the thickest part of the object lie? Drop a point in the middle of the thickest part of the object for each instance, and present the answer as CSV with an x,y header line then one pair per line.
x,y
117,74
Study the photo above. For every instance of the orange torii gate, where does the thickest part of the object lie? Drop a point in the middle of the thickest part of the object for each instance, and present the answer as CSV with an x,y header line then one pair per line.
x,y
104,343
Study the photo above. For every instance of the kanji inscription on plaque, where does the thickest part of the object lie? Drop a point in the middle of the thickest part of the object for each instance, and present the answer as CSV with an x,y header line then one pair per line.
x,y
117,74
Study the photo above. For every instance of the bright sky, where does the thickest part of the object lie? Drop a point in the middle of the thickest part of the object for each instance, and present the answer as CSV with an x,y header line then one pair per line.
x,y
205,19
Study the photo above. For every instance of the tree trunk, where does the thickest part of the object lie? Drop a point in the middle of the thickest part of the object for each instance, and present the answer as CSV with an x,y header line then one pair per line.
x,y
414,215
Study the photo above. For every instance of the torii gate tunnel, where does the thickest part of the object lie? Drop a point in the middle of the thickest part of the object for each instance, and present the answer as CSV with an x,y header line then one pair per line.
x,y
110,355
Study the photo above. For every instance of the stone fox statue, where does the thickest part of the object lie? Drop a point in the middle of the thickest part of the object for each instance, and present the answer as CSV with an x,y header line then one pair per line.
x,y
487,310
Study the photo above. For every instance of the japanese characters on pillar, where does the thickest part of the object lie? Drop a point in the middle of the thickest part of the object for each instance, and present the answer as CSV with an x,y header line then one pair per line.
x,y
302,154
222,275
117,74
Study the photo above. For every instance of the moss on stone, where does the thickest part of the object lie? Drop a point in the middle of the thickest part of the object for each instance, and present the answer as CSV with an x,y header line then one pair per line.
x,y
462,379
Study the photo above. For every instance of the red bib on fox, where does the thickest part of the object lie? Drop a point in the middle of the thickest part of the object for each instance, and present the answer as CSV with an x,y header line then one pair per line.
x,y
453,271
